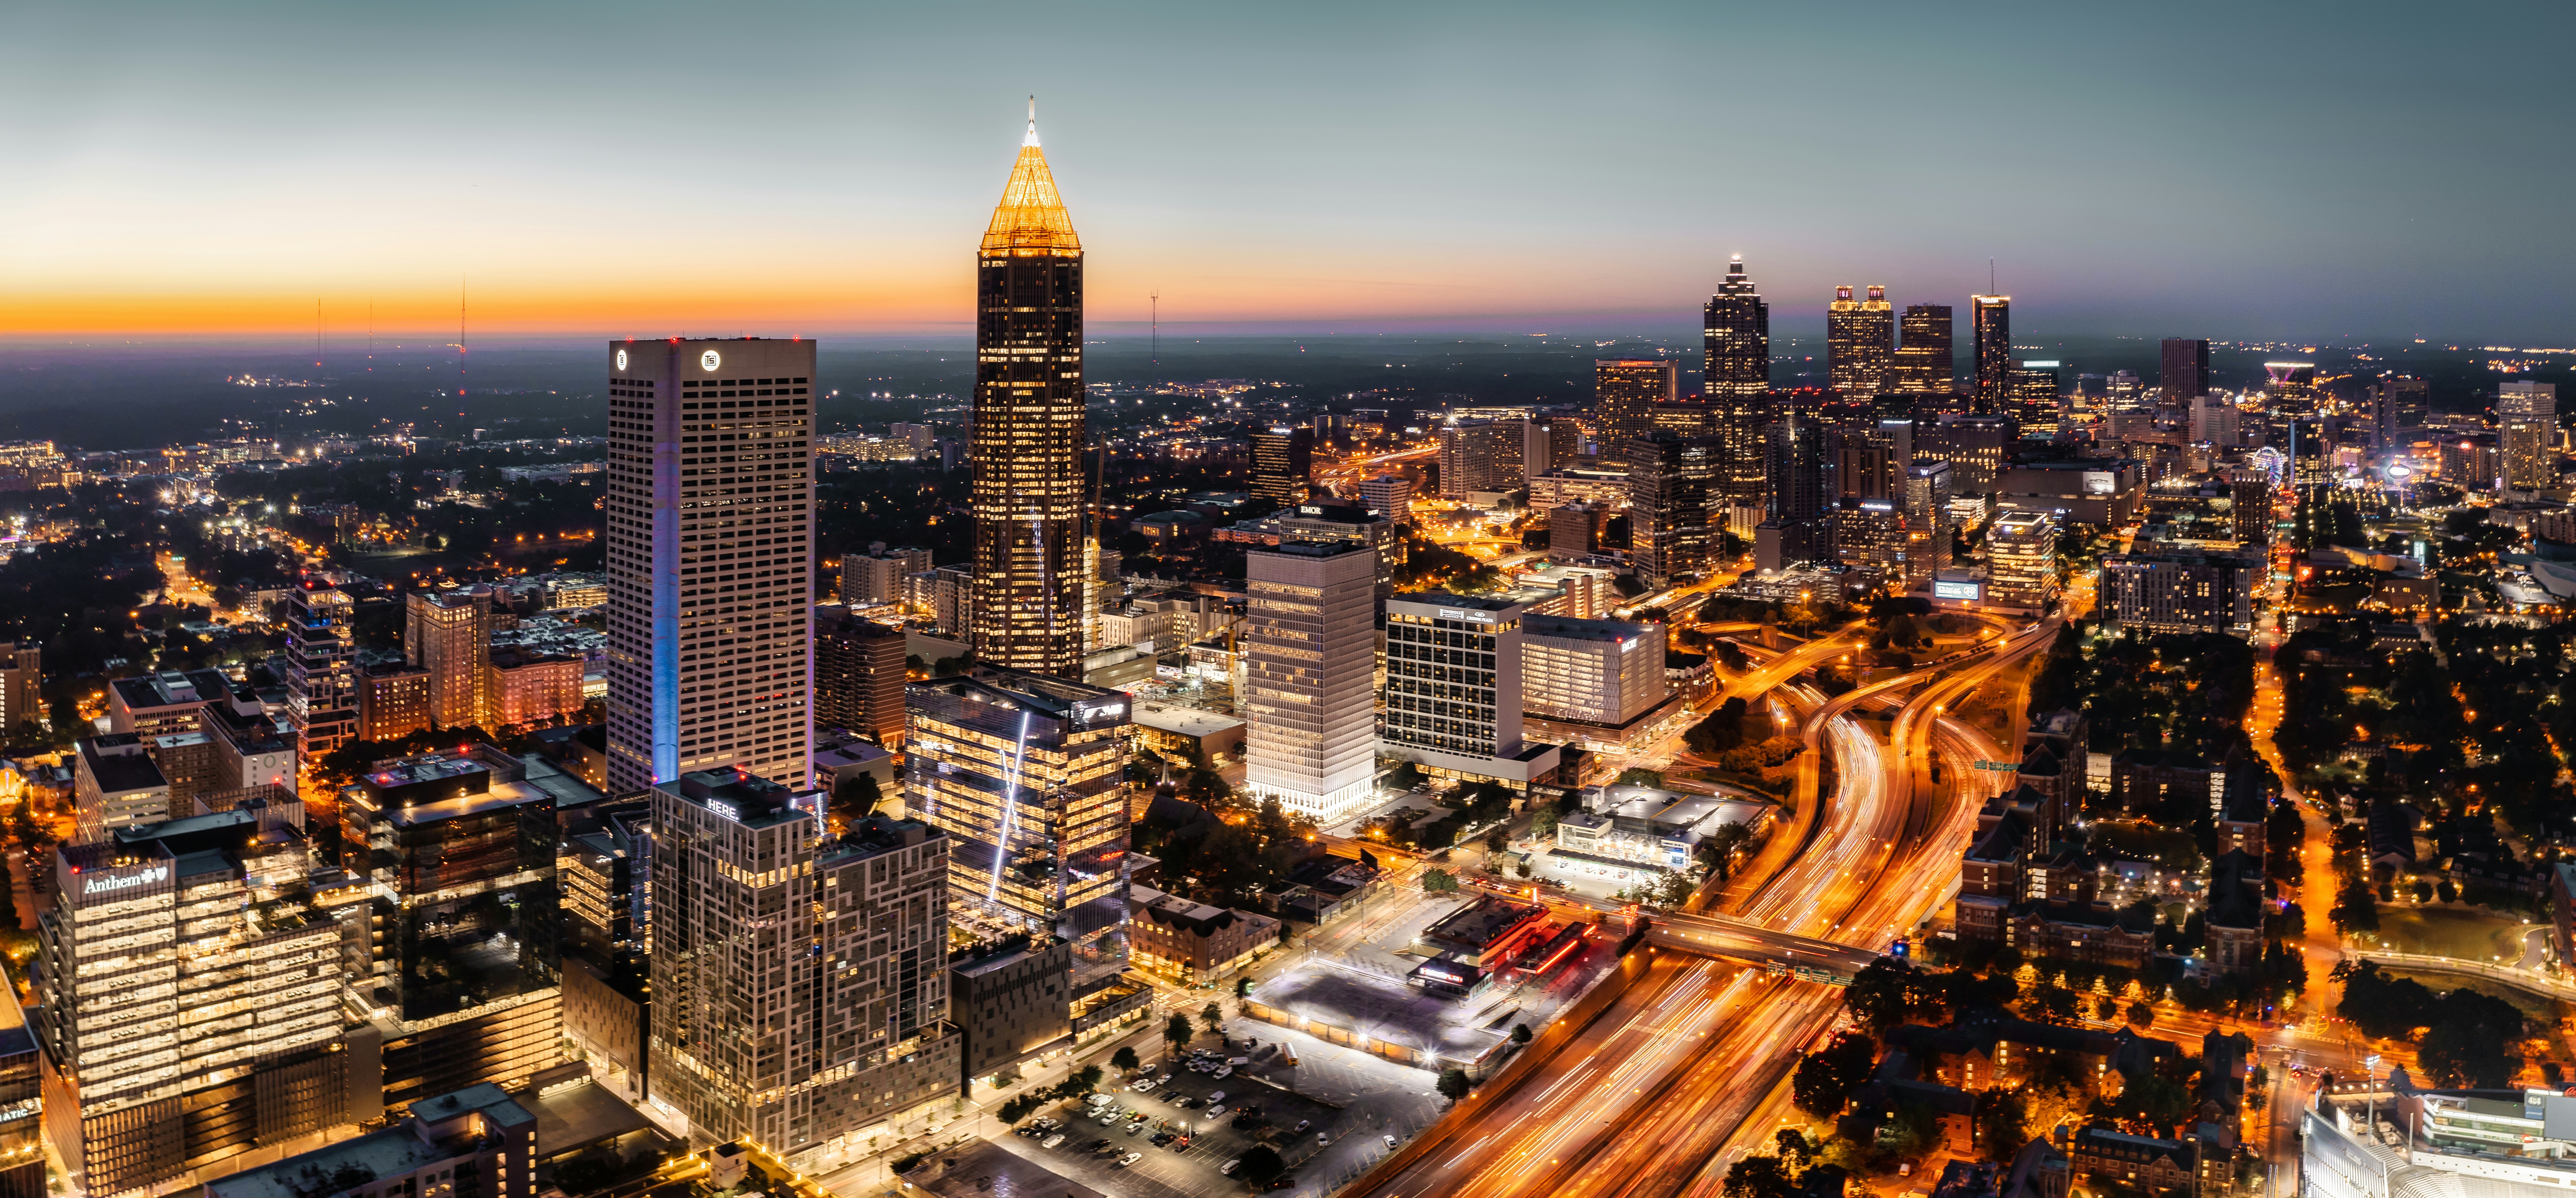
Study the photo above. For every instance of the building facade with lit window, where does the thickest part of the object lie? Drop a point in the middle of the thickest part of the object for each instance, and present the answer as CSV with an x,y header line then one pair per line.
x,y
1453,687
1736,331
2527,420
1600,681
1283,462
800,979
1860,342
2182,592
1991,343
1025,435
709,506
1026,773
2021,560
321,668
190,981
1309,652
1926,360
1624,394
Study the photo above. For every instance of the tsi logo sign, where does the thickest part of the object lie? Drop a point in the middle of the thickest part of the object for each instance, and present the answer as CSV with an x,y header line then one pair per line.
x,y
116,882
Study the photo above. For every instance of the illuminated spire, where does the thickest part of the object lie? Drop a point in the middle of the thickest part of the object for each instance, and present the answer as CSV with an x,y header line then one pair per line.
x,y
1031,219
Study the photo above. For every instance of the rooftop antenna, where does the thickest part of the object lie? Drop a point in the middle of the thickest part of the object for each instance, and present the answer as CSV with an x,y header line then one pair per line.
x,y
460,345
1990,274
371,336
1154,316
317,333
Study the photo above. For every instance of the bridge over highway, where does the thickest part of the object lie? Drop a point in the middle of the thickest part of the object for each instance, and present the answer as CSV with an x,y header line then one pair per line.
x,y
1736,939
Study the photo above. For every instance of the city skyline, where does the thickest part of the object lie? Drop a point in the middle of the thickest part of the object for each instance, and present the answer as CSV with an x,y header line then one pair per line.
x,y
378,163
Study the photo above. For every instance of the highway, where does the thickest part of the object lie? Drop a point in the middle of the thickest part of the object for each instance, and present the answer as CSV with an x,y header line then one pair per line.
x,y
1615,1114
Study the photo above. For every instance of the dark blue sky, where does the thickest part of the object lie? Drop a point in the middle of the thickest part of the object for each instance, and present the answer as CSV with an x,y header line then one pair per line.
x,y
2232,171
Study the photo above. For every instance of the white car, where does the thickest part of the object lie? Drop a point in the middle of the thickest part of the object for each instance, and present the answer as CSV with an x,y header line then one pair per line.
x,y
1052,1141
1222,1071
1229,1167
1322,1138
1145,1087
1129,1159
1390,1140
1214,1113
1215,1097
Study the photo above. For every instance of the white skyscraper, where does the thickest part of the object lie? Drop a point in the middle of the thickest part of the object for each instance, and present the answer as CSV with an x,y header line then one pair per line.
x,y
1309,650
710,558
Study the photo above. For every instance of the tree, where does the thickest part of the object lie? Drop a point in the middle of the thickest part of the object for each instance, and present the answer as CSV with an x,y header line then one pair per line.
x,y
1123,1060
2353,910
1212,1017
1178,1031
2141,1016
1520,1033
1497,840
1439,881
1825,1078
1637,776
1758,1177
1885,993
2003,1121
1453,1083
1243,987
1261,1164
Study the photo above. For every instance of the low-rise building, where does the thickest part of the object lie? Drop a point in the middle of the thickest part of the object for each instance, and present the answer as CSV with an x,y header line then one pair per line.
x,y
1013,999
1195,942
476,1142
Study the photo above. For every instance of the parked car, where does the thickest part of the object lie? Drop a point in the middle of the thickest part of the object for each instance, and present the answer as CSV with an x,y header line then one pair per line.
x,y
1185,1102
1129,1159
1216,1112
1221,1071
1229,1167
1322,1138
1390,1140
1215,1097
1135,1127
1284,1183
1052,1141
1303,1124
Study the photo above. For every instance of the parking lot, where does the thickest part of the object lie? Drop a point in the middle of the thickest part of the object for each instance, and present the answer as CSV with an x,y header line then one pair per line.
x,y
1376,1099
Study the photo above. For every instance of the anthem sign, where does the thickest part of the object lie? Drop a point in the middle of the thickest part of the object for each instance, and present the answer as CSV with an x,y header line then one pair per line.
x,y
112,883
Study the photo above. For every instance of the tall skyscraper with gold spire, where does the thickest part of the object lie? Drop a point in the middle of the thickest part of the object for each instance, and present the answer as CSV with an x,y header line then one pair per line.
x,y
1025,444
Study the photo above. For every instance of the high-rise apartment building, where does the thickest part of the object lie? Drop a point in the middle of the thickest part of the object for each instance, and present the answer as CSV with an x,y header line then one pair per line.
x,y
1283,464
1926,360
22,683
393,702
1309,659
1453,687
191,999
876,576
2181,592
2021,560
1972,444
1991,338
1599,681
2397,403
321,668
1794,528
449,634
2527,421
463,964
1573,532
2030,395
710,577
1737,374
1025,438
1388,495
1860,342
1672,504
858,675
800,980
1547,443
1479,455
2185,370
1624,394
1026,773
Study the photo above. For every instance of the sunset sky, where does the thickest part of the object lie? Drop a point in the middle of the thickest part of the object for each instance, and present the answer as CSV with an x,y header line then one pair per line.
x,y
633,169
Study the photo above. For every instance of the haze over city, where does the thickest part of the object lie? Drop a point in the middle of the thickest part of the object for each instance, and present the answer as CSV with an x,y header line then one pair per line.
x,y
2248,172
